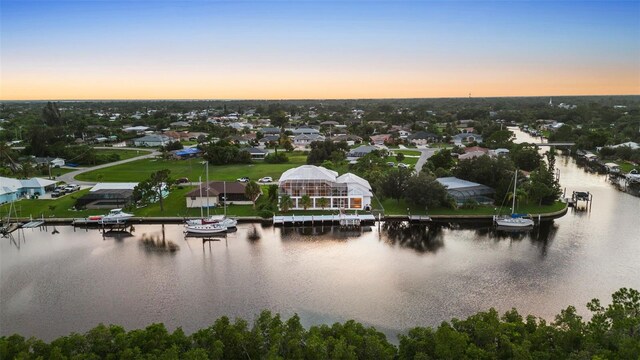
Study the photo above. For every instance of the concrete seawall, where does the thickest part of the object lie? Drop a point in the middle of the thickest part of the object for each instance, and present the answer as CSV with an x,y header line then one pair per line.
x,y
255,219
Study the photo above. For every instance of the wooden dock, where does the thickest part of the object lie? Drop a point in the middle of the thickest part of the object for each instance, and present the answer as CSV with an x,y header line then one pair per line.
x,y
346,220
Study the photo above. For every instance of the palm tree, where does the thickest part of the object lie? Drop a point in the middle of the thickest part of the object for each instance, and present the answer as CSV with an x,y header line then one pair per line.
x,y
305,201
521,195
323,202
286,203
252,190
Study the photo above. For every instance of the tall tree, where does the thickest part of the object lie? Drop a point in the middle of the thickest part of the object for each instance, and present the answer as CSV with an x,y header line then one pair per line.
x,y
251,191
394,183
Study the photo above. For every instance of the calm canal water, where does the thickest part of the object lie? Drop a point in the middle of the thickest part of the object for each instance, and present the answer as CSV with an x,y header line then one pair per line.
x,y
393,278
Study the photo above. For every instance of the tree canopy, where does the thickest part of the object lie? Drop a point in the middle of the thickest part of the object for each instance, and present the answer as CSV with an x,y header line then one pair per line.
x,y
612,333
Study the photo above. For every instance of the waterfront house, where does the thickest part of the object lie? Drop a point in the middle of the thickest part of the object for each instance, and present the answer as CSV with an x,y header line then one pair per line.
x,y
107,196
347,191
213,194
463,190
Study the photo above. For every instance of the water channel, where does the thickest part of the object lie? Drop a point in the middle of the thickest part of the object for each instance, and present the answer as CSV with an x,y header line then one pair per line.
x,y
55,281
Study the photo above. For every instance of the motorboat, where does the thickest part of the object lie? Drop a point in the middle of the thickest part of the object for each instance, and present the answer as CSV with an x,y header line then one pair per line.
x,y
214,219
115,216
633,176
516,221
206,229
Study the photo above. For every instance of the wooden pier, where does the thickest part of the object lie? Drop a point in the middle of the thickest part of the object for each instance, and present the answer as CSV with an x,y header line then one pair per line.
x,y
344,220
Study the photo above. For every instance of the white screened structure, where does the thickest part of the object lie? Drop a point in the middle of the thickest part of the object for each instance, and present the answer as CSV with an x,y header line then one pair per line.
x,y
347,191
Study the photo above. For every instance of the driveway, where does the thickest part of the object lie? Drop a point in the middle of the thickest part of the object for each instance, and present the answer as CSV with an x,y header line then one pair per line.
x,y
70,177
425,154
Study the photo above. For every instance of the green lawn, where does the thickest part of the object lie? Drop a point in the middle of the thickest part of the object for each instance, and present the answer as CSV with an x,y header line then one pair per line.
x,y
407,152
123,153
406,160
191,168
625,167
392,207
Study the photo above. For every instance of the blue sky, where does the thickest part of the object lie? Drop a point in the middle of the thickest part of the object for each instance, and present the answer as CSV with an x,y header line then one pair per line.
x,y
224,49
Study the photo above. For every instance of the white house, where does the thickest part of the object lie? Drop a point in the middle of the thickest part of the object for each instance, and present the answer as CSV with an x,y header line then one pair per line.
x,y
304,139
153,140
347,191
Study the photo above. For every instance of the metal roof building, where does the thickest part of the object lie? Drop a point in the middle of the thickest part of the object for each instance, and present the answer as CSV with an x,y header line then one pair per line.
x,y
463,190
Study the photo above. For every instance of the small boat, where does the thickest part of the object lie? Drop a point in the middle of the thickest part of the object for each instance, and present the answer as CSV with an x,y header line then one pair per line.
x,y
206,229
517,221
115,216
633,176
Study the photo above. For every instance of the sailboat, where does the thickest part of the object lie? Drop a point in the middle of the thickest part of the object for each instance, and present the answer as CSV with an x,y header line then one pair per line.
x,y
513,221
210,224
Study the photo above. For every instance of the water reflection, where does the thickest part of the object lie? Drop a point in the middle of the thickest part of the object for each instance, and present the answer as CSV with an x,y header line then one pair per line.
x,y
322,232
417,237
158,243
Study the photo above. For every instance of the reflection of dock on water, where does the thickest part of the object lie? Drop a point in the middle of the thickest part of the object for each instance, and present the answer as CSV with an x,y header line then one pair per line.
x,y
344,220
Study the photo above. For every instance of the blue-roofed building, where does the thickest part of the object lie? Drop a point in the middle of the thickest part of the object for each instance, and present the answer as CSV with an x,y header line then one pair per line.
x,y
187,153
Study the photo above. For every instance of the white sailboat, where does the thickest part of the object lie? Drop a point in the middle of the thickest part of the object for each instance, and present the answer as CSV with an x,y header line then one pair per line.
x,y
514,221
210,224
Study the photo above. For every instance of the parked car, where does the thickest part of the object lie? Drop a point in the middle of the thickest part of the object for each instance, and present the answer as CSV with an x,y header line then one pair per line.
x,y
56,194
266,179
403,165
244,179
391,163
183,180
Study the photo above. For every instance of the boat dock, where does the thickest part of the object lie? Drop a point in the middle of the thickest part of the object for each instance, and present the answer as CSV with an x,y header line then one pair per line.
x,y
345,220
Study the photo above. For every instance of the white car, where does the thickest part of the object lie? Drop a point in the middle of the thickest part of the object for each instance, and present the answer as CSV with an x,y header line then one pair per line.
x,y
266,179
403,165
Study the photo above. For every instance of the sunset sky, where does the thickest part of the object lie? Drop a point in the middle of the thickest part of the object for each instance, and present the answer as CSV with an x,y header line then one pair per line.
x,y
316,49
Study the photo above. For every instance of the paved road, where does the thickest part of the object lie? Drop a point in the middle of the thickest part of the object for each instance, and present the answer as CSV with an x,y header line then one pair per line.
x,y
70,177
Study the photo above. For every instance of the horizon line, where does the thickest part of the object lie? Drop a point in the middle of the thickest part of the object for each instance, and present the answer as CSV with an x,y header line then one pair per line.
x,y
310,99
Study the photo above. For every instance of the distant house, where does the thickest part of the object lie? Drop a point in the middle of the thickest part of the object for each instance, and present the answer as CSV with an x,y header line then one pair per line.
x,y
49,161
422,138
107,196
469,149
350,139
240,139
630,144
13,189
270,131
213,194
136,129
380,139
361,151
179,124
256,154
466,138
305,131
186,153
463,190
153,140
471,155
306,139
267,139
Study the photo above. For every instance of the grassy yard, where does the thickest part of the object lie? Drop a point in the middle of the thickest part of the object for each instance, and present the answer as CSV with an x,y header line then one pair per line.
x,y
625,167
192,169
406,152
60,207
123,153
393,207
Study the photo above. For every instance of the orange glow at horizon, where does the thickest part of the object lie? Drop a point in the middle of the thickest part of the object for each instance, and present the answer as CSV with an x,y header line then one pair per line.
x,y
344,83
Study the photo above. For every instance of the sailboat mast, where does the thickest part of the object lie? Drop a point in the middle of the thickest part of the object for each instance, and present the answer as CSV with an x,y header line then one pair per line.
x,y
207,174
224,186
515,184
201,210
